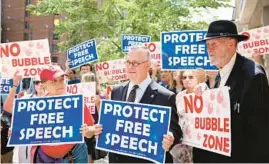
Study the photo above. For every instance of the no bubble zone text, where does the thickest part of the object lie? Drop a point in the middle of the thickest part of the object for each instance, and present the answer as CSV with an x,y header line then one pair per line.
x,y
13,51
194,104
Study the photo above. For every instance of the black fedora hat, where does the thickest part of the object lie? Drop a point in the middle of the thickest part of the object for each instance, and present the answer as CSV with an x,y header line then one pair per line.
x,y
223,28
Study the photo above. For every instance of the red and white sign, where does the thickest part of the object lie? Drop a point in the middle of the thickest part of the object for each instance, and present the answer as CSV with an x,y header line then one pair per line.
x,y
88,90
111,71
155,51
205,120
27,56
257,44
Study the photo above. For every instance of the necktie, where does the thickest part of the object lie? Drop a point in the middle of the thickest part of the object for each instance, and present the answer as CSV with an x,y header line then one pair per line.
x,y
132,94
218,79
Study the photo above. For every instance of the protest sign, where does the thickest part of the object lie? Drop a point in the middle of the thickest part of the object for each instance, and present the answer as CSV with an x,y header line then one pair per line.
x,y
128,40
206,121
182,51
134,129
88,90
257,44
28,56
110,71
47,120
6,85
82,53
155,52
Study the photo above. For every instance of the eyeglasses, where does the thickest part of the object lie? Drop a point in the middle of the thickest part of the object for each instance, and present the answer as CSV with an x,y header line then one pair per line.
x,y
134,64
189,77
37,82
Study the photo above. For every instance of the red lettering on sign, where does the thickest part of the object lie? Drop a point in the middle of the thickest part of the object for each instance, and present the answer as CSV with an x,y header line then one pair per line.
x,y
256,44
119,77
72,89
31,71
217,143
196,103
13,50
151,47
30,61
213,124
101,66
262,50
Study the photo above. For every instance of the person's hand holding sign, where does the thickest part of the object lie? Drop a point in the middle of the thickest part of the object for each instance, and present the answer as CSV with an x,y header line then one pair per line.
x,y
168,141
200,88
98,130
87,131
17,78
67,68
90,131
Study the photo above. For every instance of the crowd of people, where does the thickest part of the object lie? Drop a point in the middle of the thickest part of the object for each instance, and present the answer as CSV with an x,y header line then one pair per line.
x,y
248,86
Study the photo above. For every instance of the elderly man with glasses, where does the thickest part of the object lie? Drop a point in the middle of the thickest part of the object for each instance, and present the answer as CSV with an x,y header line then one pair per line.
x,y
142,89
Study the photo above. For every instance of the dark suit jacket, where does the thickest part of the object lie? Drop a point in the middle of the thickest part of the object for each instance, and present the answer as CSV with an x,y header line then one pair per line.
x,y
157,95
250,124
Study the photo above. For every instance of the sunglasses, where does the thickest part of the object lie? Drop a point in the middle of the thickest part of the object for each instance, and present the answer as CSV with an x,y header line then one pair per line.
x,y
37,82
189,77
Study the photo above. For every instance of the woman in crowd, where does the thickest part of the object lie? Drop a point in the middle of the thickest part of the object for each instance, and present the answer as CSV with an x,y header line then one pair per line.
x,y
53,80
21,154
183,153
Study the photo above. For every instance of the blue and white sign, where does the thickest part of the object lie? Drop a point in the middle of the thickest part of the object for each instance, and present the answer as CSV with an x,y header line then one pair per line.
x,y
128,40
5,85
182,51
47,120
134,130
82,53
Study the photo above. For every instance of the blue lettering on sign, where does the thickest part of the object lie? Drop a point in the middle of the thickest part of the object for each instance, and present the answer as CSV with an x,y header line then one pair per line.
x,y
128,40
47,120
6,85
82,53
134,129
182,51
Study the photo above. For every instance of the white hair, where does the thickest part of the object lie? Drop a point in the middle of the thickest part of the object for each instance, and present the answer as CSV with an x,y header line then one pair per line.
x,y
141,48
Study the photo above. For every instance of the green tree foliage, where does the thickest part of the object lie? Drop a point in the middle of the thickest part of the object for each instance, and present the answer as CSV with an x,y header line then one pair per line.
x,y
107,20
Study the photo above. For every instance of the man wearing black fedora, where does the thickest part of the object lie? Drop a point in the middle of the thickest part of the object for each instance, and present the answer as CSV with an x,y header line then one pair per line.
x,y
249,97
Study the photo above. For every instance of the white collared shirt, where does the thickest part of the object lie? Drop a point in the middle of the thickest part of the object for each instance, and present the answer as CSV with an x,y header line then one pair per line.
x,y
139,91
226,71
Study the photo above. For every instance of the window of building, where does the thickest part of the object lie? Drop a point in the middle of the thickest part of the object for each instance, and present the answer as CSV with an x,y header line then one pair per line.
x,y
27,2
54,59
26,36
55,48
27,14
55,36
26,25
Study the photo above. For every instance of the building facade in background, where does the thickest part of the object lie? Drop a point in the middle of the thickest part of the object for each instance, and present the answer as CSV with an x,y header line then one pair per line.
x,y
18,25
251,14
